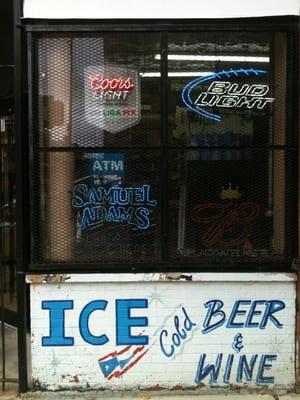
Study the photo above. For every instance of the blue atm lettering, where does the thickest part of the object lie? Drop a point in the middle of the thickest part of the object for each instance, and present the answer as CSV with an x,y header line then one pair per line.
x,y
59,310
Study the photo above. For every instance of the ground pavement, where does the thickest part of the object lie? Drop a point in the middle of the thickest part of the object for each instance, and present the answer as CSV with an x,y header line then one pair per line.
x,y
105,395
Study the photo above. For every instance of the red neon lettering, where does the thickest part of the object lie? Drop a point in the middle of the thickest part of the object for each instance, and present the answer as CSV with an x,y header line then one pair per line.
x,y
227,224
99,82
129,113
114,83
105,84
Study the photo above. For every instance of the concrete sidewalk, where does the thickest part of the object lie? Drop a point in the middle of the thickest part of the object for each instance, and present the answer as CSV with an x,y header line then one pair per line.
x,y
107,395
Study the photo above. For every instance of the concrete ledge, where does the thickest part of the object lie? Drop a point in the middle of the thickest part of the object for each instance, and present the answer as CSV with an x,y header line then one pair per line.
x,y
164,277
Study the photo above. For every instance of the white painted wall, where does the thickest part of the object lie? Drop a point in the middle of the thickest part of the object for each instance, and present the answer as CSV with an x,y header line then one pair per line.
x,y
166,305
107,9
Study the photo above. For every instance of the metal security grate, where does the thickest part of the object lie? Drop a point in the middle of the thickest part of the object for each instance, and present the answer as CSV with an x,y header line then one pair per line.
x,y
96,149
229,209
148,152
109,211
228,178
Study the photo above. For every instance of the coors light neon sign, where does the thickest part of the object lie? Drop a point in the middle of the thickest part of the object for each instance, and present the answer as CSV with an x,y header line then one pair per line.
x,y
112,97
222,93
114,89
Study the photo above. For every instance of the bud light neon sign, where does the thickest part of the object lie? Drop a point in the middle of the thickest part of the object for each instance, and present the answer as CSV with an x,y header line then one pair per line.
x,y
222,93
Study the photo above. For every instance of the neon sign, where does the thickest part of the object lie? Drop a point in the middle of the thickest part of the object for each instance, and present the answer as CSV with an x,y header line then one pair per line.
x,y
227,224
115,204
107,163
107,168
224,94
99,82
112,97
115,89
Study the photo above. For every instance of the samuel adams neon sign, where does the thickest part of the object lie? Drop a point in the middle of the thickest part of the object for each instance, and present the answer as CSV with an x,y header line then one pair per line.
x,y
224,94
97,205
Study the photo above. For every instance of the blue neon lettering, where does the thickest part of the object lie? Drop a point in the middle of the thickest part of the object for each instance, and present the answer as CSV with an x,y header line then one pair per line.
x,y
221,94
142,218
116,204
79,193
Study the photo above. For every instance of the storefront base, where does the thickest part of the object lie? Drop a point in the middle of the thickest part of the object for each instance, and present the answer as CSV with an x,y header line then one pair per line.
x,y
151,395
161,332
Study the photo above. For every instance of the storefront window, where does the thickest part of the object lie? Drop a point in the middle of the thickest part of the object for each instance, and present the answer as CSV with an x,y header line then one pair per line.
x,y
227,116
99,124
144,152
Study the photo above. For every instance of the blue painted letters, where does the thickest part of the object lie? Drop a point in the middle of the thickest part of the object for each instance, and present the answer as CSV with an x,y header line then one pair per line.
x,y
124,322
57,322
242,314
170,341
244,371
214,310
210,369
264,366
84,322
237,310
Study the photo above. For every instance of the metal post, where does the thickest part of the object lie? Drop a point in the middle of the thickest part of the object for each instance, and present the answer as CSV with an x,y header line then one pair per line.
x,y
164,154
2,277
21,187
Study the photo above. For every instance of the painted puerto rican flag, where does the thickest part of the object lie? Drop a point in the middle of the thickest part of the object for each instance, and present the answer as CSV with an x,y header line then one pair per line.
x,y
117,363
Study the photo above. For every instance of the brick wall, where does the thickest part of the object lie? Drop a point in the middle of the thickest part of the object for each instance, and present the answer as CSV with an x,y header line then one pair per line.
x,y
125,335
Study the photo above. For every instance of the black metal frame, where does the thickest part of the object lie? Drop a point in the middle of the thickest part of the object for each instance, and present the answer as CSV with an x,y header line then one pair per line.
x,y
7,316
270,24
292,129
17,319
287,24
21,196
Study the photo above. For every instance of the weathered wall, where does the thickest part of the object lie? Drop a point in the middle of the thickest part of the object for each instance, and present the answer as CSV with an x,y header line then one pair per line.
x,y
164,334
157,9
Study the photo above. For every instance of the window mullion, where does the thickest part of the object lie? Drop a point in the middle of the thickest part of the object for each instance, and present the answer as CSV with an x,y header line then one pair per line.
x,y
164,148
291,155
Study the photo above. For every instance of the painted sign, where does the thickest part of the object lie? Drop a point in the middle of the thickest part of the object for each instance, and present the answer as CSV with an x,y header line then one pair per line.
x,y
163,334
225,94
112,97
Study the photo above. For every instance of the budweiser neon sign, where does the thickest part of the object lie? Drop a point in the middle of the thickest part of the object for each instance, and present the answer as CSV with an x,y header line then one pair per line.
x,y
99,82
225,94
